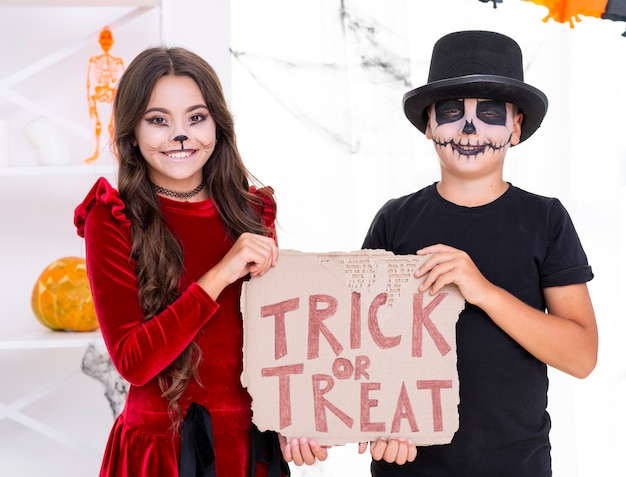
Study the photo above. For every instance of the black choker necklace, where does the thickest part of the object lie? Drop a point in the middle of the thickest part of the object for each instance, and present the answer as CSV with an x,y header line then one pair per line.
x,y
176,194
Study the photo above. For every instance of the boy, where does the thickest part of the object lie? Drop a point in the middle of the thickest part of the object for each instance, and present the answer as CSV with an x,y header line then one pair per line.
x,y
515,257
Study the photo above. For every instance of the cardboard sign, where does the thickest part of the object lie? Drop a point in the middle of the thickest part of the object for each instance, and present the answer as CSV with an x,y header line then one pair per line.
x,y
341,347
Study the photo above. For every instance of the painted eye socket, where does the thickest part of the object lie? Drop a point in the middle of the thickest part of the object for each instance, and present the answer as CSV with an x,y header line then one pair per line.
x,y
492,112
449,111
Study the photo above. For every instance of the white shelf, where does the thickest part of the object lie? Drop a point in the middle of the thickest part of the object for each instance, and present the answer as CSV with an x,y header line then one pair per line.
x,y
70,170
79,3
40,337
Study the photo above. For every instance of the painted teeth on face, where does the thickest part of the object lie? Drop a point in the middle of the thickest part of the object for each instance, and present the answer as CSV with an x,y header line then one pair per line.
x,y
468,149
464,149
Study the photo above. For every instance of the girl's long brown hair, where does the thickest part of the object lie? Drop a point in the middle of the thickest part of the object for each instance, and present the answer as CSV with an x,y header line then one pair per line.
x,y
155,250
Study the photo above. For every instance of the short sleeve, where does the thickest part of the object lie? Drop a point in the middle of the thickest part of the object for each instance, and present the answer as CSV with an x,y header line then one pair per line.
x,y
565,262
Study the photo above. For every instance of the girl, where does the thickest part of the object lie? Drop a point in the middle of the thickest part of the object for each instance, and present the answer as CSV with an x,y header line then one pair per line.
x,y
166,255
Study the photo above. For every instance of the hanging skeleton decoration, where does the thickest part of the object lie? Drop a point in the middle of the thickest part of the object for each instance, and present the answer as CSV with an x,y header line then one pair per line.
x,y
102,75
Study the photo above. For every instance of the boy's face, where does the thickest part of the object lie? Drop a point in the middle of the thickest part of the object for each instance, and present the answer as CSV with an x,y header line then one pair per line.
x,y
471,130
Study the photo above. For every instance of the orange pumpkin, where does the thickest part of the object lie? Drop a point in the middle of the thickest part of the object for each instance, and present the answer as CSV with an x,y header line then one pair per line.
x,y
61,298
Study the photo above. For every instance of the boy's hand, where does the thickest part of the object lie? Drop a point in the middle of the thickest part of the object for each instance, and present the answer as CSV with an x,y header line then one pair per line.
x,y
392,450
450,265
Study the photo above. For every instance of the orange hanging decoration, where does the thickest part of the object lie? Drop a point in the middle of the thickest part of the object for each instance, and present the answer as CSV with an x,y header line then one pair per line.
x,y
102,76
568,11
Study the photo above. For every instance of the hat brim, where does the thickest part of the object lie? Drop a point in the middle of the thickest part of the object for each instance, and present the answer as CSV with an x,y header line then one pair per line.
x,y
532,102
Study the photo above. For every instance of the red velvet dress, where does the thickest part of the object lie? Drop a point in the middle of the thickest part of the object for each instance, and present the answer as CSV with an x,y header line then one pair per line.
x,y
140,442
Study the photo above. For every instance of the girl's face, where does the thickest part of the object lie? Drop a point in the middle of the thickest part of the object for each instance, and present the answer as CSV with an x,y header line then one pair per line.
x,y
473,135
176,110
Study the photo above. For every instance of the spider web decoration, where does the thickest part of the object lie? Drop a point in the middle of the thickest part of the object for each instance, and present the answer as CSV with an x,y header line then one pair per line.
x,y
97,364
262,69
328,91
373,45
331,79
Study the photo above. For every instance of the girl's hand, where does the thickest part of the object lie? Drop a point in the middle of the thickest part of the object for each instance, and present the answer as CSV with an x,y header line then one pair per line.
x,y
392,450
302,451
250,254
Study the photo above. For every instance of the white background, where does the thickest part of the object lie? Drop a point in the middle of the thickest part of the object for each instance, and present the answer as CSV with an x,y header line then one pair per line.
x,y
316,93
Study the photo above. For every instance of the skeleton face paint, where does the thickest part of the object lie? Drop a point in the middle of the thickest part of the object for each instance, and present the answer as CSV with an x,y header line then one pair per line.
x,y
470,127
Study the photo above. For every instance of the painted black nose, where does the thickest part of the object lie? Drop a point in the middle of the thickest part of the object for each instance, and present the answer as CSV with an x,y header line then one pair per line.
x,y
469,128
182,138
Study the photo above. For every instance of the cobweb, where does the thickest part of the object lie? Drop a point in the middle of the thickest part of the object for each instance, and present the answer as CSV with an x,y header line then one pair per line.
x,y
97,364
338,92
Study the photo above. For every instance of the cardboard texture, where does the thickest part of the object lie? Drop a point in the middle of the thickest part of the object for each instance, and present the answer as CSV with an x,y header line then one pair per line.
x,y
341,347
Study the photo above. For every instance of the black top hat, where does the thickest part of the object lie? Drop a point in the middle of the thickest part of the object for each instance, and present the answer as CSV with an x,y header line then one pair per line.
x,y
477,64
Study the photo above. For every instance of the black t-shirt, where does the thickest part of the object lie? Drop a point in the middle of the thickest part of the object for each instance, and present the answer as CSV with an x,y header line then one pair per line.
x,y
523,243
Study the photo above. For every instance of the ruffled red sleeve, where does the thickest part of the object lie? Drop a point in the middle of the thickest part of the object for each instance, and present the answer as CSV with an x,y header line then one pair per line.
x,y
139,349
104,193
